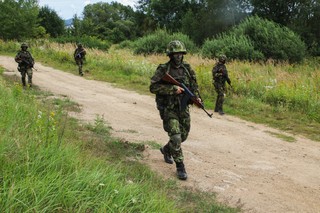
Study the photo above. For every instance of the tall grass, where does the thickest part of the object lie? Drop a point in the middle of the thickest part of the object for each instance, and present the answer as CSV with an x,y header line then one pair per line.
x,y
51,163
290,89
40,173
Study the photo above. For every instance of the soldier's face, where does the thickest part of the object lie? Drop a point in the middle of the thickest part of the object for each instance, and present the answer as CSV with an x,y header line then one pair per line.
x,y
177,58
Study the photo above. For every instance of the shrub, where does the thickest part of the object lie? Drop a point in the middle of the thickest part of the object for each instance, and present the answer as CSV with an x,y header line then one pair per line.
x,y
157,42
88,41
256,39
238,48
274,41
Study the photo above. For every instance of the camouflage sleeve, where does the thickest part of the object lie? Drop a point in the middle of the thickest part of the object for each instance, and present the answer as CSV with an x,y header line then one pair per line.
x,y
217,71
75,53
160,87
193,84
17,58
227,76
31,59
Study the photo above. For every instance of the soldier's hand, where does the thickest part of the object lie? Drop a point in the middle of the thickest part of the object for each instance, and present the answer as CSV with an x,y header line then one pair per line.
x,y
179,90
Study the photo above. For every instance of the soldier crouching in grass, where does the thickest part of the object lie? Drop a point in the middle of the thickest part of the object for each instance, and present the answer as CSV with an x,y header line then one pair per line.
x,y
25,64
175,117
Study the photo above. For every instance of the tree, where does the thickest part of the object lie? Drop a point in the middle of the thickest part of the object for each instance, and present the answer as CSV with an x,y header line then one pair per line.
x,y
114,22
50,20
299,15
19,19
200,19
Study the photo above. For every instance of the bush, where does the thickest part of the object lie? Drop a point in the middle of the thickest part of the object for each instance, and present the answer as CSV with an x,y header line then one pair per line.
x,y
256,39
88,41
238,48
157,42
274,41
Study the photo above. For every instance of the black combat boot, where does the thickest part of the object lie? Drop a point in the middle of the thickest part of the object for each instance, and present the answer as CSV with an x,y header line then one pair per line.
x,y
221,111
181,171
166,154
30,82
23,82
80,70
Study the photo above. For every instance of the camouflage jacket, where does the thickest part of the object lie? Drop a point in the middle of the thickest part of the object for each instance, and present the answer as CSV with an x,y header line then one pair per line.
x,y
220,74
166,96
79,53
24,59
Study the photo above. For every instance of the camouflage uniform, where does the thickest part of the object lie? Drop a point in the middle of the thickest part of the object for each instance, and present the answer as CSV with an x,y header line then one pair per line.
x,y
26,62
79,56
220,76
175,117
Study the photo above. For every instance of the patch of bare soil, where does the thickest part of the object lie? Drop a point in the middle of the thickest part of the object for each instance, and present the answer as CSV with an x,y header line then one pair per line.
x,y
240,161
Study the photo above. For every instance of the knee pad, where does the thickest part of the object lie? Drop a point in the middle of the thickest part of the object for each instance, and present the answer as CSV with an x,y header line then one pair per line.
x,y
176,139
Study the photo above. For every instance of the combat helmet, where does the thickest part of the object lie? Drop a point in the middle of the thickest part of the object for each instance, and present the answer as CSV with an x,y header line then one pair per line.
x,y
79,45
176,46
222,58
24,45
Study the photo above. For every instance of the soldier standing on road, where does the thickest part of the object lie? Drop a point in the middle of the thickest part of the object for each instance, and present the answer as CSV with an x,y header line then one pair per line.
x,y
25,64
79,56
176,120
220,76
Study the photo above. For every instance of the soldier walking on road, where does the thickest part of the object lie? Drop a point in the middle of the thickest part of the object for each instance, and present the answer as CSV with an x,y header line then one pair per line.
x,y
79,56
175,117
220,76
25,64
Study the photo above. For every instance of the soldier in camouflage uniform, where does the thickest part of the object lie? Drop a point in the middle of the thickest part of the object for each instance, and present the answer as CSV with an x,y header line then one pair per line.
x,y
26,62
220,76
176,119
79,56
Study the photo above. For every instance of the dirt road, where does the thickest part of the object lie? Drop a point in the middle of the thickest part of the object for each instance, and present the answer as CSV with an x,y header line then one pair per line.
x,y
239,160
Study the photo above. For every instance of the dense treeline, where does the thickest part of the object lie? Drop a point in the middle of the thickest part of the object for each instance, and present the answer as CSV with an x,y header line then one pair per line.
x,y
200,20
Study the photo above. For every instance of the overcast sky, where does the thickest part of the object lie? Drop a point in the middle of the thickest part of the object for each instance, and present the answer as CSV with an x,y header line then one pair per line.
x,y
66,9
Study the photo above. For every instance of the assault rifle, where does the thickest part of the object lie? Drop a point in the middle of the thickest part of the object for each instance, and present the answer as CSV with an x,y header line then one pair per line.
x,y
79,54
188,94
25,62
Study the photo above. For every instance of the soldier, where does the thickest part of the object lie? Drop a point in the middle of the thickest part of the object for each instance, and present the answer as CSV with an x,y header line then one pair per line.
x,y
220,76
26,62
79,56
176,119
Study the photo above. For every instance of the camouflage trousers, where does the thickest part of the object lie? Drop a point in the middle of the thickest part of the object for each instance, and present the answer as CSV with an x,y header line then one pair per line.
x,y
177,125
26,71
79,62
220,89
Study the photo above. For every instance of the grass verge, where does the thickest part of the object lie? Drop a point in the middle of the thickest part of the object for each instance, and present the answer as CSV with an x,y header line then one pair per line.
x,y
49,162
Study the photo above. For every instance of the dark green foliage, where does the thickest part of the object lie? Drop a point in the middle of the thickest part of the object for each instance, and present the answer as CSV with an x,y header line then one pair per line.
x,y
87,41
158,41
50,20
274,41
19,20
235,47
256,38
301,16
114,22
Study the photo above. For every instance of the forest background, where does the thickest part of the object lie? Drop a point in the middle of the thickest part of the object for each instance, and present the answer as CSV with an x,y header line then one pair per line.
x,y
202,21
